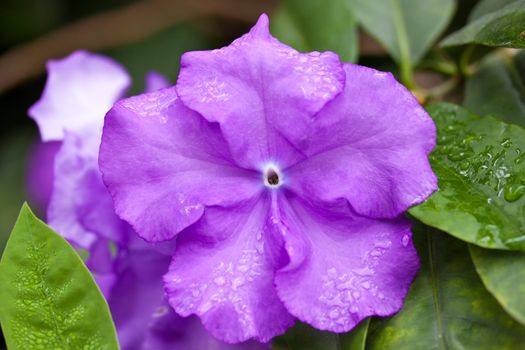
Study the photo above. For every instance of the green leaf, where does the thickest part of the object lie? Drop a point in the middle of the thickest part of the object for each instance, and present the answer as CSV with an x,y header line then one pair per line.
x,y
447,306
503,274
504,28
313,25
302,336
480,164
419,24
498,89
487,6
48,298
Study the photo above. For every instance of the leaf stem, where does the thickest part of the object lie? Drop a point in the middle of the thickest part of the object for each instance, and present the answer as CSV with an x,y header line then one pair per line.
x,y
445,67
514,74
465,59
404,46
443,88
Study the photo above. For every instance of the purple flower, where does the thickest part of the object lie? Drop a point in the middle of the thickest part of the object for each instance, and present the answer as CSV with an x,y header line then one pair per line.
x,y
39,177
79,91
283,176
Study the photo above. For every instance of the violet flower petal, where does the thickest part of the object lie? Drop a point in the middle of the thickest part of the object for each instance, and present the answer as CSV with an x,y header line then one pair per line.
x,y
155,81
73,163
143,319
79,194
229,283
369,145
163,164
40,172
79,90
137,297
172,332
101,264
262,92
359,267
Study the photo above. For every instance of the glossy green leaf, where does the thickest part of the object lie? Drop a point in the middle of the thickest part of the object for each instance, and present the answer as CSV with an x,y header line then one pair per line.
x,y
312,25
487,6
447,306
503,274
302,336
504,28
480,164
411,25
497,88
48,298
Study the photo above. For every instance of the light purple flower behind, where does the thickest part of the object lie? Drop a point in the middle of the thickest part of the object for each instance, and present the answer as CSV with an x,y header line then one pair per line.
x,y
40,173
79,90
283,177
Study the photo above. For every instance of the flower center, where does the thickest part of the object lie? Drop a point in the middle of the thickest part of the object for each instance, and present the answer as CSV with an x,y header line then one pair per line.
x,y
272,176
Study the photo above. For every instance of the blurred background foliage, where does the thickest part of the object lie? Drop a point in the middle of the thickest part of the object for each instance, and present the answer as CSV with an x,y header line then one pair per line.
x,y
401,36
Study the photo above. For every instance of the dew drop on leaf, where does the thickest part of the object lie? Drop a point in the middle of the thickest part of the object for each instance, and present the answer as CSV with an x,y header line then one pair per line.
x,y
514,191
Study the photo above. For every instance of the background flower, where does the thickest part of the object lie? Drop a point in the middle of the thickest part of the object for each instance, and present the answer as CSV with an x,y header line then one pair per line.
x,y
128,270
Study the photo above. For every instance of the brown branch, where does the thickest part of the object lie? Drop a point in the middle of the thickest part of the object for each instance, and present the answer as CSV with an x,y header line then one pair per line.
x,y
115,28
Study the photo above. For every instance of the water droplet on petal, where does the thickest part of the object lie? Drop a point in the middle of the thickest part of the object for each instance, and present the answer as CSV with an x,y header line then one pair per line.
x,y
243,268
383,244
332,272
405,240
219,280
160,311
237,282
334,313
376,253
366,284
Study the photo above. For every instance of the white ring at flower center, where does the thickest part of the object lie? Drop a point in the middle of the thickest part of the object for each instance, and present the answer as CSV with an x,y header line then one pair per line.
x,y
272,176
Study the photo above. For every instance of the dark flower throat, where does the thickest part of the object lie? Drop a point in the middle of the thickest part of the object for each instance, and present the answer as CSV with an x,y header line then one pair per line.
x,y
272,177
